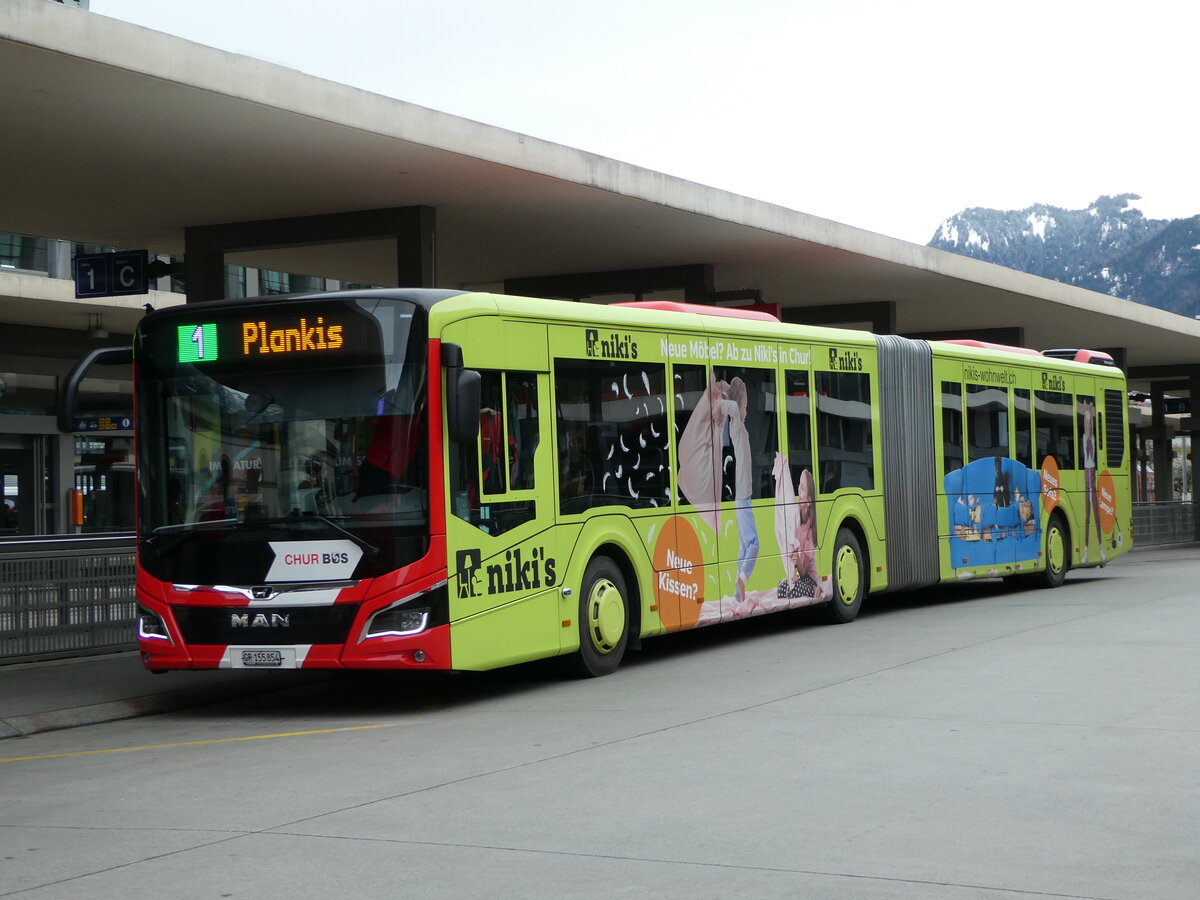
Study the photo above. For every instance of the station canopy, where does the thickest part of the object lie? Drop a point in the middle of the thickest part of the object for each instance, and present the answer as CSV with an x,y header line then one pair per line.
x,y
125,137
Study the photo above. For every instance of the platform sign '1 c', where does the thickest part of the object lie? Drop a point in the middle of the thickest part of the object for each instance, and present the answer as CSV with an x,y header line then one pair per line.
x,y
111,274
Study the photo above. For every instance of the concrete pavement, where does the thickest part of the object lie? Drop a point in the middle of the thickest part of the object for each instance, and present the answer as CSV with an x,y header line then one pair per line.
x,y
45,696
972,742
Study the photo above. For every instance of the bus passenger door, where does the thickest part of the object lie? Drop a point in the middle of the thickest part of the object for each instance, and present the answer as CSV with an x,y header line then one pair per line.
x,y
686,556
502,553
1096,495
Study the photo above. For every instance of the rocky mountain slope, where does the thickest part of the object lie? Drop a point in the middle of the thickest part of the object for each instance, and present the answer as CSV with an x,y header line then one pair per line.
x,y
1110,247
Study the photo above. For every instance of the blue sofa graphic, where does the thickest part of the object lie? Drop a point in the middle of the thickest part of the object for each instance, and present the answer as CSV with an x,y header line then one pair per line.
x,y
994,507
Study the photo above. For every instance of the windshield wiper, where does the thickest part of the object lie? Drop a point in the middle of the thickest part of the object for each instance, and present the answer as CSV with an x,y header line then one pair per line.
x,y
361,541
182,529
193,526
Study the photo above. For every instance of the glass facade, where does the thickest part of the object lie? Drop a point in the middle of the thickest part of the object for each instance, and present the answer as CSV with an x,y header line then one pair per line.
x,y
23,252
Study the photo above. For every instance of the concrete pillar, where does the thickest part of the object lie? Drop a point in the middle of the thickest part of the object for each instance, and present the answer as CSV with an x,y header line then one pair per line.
x,y
58,260
63,480
1164,475
1119,355
1194,464
203,269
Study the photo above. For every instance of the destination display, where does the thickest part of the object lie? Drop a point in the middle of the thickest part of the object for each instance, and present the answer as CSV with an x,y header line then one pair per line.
x,y
275,334
199,343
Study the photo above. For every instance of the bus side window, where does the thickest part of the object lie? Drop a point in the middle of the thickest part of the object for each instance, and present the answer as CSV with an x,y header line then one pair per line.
x,y
1055,427
492,454
799,423
845,440
521,412
1088,435
1024,426
758,419
952,426
612,434
500,460
1114,428
508,431
693,456
987,421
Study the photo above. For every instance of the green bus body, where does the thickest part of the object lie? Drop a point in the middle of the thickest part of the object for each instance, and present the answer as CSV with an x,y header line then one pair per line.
x,y
621,487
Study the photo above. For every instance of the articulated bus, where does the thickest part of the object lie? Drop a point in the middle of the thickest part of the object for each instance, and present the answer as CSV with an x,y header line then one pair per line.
x,y
435,479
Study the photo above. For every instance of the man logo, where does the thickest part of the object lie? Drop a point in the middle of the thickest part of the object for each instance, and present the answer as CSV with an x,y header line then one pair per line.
x,y
260,620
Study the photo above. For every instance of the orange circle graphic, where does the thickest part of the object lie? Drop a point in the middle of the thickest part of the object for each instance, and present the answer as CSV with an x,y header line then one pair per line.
x,y
1106,495
678,574
1050,483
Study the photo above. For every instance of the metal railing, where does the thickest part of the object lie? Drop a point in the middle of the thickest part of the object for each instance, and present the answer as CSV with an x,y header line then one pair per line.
x,y
74,596
66,596
1164,522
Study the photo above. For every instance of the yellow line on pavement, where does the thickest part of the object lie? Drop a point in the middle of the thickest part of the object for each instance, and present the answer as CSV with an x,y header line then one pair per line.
x,y
252,737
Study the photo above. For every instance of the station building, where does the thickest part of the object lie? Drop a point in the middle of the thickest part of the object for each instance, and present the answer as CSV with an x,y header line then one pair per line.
x,y
245,178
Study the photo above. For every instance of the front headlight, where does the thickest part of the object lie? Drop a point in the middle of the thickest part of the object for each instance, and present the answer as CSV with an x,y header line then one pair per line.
x,y
398,620
150,625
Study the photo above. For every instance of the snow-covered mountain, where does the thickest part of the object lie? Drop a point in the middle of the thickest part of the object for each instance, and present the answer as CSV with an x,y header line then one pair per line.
x,y
1110,247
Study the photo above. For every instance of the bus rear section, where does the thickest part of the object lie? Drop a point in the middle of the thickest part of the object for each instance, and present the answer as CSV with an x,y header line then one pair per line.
x,y
1033,458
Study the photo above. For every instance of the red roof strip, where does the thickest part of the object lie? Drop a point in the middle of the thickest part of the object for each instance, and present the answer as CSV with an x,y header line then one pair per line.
x,y
729,312
988,345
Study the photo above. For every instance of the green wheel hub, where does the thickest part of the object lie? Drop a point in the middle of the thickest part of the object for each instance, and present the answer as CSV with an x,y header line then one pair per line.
x,y
605,616
1056,550
847,574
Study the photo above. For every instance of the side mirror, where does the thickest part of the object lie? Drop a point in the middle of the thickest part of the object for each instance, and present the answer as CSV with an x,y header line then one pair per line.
x,y
463,391
68,394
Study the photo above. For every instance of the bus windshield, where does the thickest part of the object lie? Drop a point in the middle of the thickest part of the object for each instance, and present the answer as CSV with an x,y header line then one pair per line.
x,y
298,422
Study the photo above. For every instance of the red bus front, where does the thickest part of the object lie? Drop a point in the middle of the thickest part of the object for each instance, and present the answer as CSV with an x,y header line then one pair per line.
x,y
290,508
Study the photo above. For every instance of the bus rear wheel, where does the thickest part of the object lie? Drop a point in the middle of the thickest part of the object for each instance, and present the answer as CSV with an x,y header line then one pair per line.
x,y
849,582
603,618
1057,553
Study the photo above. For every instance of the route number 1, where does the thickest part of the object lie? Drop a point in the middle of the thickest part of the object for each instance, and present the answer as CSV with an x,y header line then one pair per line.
x,y
197,343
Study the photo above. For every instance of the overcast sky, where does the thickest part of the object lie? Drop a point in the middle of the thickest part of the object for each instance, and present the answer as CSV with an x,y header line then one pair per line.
x,y
881,114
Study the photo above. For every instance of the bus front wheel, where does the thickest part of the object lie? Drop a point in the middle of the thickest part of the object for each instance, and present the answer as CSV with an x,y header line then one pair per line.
x,y
848,578
603,618
1058,553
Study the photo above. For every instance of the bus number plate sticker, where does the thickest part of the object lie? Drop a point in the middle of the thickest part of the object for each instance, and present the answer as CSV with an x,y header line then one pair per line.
x,y
265,659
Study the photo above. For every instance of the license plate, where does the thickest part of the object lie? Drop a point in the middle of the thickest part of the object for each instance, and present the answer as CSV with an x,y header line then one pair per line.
x,y
262,658
265,659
